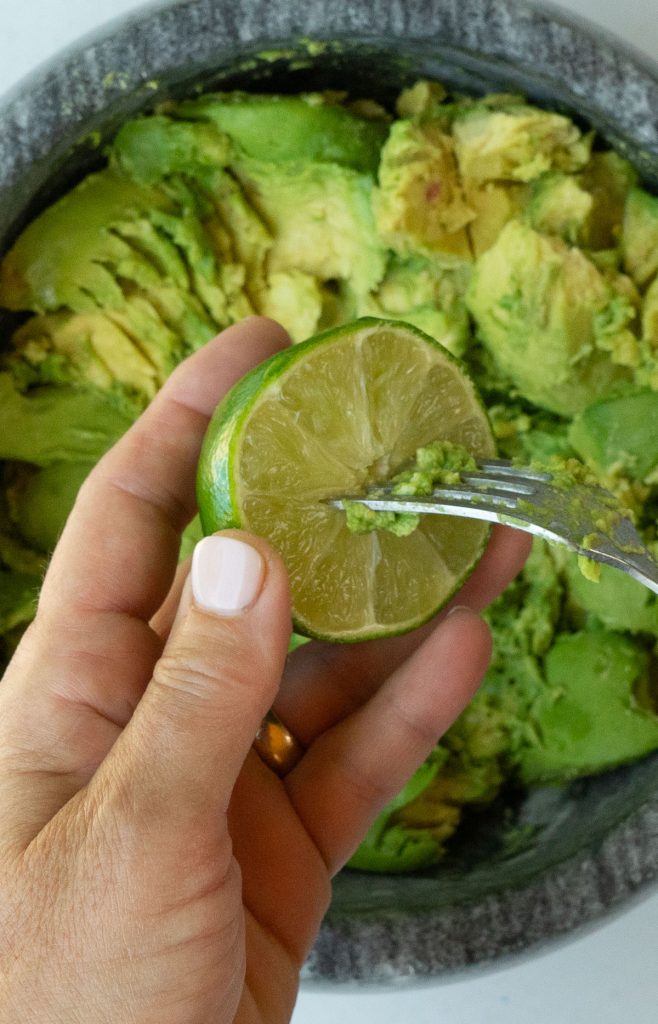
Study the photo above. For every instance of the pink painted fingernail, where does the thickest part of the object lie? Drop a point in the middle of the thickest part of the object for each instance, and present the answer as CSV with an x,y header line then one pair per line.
x,y
227,574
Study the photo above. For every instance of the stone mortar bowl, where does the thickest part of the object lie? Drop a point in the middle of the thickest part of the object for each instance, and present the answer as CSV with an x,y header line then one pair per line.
x,y
595,842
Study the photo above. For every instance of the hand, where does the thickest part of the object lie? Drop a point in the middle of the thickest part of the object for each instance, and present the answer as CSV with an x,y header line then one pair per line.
x,y
152,868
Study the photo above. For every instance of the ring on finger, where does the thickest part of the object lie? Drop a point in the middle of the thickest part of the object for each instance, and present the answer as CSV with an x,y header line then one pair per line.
x,y
276,746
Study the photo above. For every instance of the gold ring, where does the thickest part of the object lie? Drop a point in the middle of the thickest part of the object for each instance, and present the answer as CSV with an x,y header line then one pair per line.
x,y
276,746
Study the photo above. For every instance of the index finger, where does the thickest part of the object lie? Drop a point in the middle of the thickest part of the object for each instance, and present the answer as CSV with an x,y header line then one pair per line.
x,y
119,549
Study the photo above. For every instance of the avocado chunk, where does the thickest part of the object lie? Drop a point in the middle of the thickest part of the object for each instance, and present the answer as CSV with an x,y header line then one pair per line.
x,y
585,208
279,129
587,719
559,206
494,204
392,847
61,258
551,320
617,601
81,348
619,435
649,369
640,236
608,178
420,292
516,143
42,500
149,149
118,251
18,598
320,218
420,205
50,424
295,299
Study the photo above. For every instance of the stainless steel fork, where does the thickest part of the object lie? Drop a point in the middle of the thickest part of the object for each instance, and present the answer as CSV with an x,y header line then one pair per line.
x,y
585,518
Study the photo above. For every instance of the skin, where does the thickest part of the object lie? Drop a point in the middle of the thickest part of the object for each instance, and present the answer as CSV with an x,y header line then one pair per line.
x,y
152,868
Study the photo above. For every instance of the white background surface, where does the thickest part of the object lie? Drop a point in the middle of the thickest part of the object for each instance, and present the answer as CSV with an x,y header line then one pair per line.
x,y
609,975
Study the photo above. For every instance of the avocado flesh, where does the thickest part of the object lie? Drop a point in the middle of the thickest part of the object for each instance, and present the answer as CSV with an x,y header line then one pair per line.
x,y
60,260
281,129
420,205
320,218
551,320
560,206
616,601
476,752
587,718
619,435
41,501
516,143
51,424
419,291
640,236
18,596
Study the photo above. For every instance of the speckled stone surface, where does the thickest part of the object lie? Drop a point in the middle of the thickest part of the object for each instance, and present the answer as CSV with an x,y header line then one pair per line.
x,y
592,844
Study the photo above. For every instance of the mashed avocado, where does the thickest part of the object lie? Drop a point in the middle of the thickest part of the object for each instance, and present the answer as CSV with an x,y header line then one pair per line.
x,y
516,239
437,464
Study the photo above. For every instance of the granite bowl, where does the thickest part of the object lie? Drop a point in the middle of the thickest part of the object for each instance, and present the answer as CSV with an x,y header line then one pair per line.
x,y
592,844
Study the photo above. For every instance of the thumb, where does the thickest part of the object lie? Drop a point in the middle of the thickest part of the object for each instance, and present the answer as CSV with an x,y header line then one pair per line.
x,y
218,675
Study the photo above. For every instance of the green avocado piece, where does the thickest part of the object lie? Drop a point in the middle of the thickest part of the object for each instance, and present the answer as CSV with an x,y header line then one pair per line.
x,y
389,846
618,601
320,219
639,240
559,206
295,299
247,236
151,148
420,292
52,424
140,255
61,258
553,323
608,178
619,434
88,348
523,622
439,462
494,204
587,719
420,204
41,501
292,128
648,371
516,143
18,596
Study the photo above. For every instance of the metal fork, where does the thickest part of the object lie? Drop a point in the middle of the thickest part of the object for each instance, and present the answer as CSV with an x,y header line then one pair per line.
x,y
583,517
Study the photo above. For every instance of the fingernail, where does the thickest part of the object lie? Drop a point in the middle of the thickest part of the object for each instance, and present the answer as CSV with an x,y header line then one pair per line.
x,y
227,574
458,608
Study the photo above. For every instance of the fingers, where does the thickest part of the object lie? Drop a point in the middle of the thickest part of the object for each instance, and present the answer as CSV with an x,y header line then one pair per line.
x,y
504,558
118,550
84,663
350,772
325,682
219,672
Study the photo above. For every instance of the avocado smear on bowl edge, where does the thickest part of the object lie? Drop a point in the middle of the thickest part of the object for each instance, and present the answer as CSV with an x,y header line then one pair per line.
x,y
506,232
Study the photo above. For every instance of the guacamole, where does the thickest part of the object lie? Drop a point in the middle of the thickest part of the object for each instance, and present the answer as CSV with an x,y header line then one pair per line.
x,y
514,237
437,464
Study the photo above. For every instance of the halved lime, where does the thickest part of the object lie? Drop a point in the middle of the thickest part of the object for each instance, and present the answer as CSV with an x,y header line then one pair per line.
x,y
329,417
